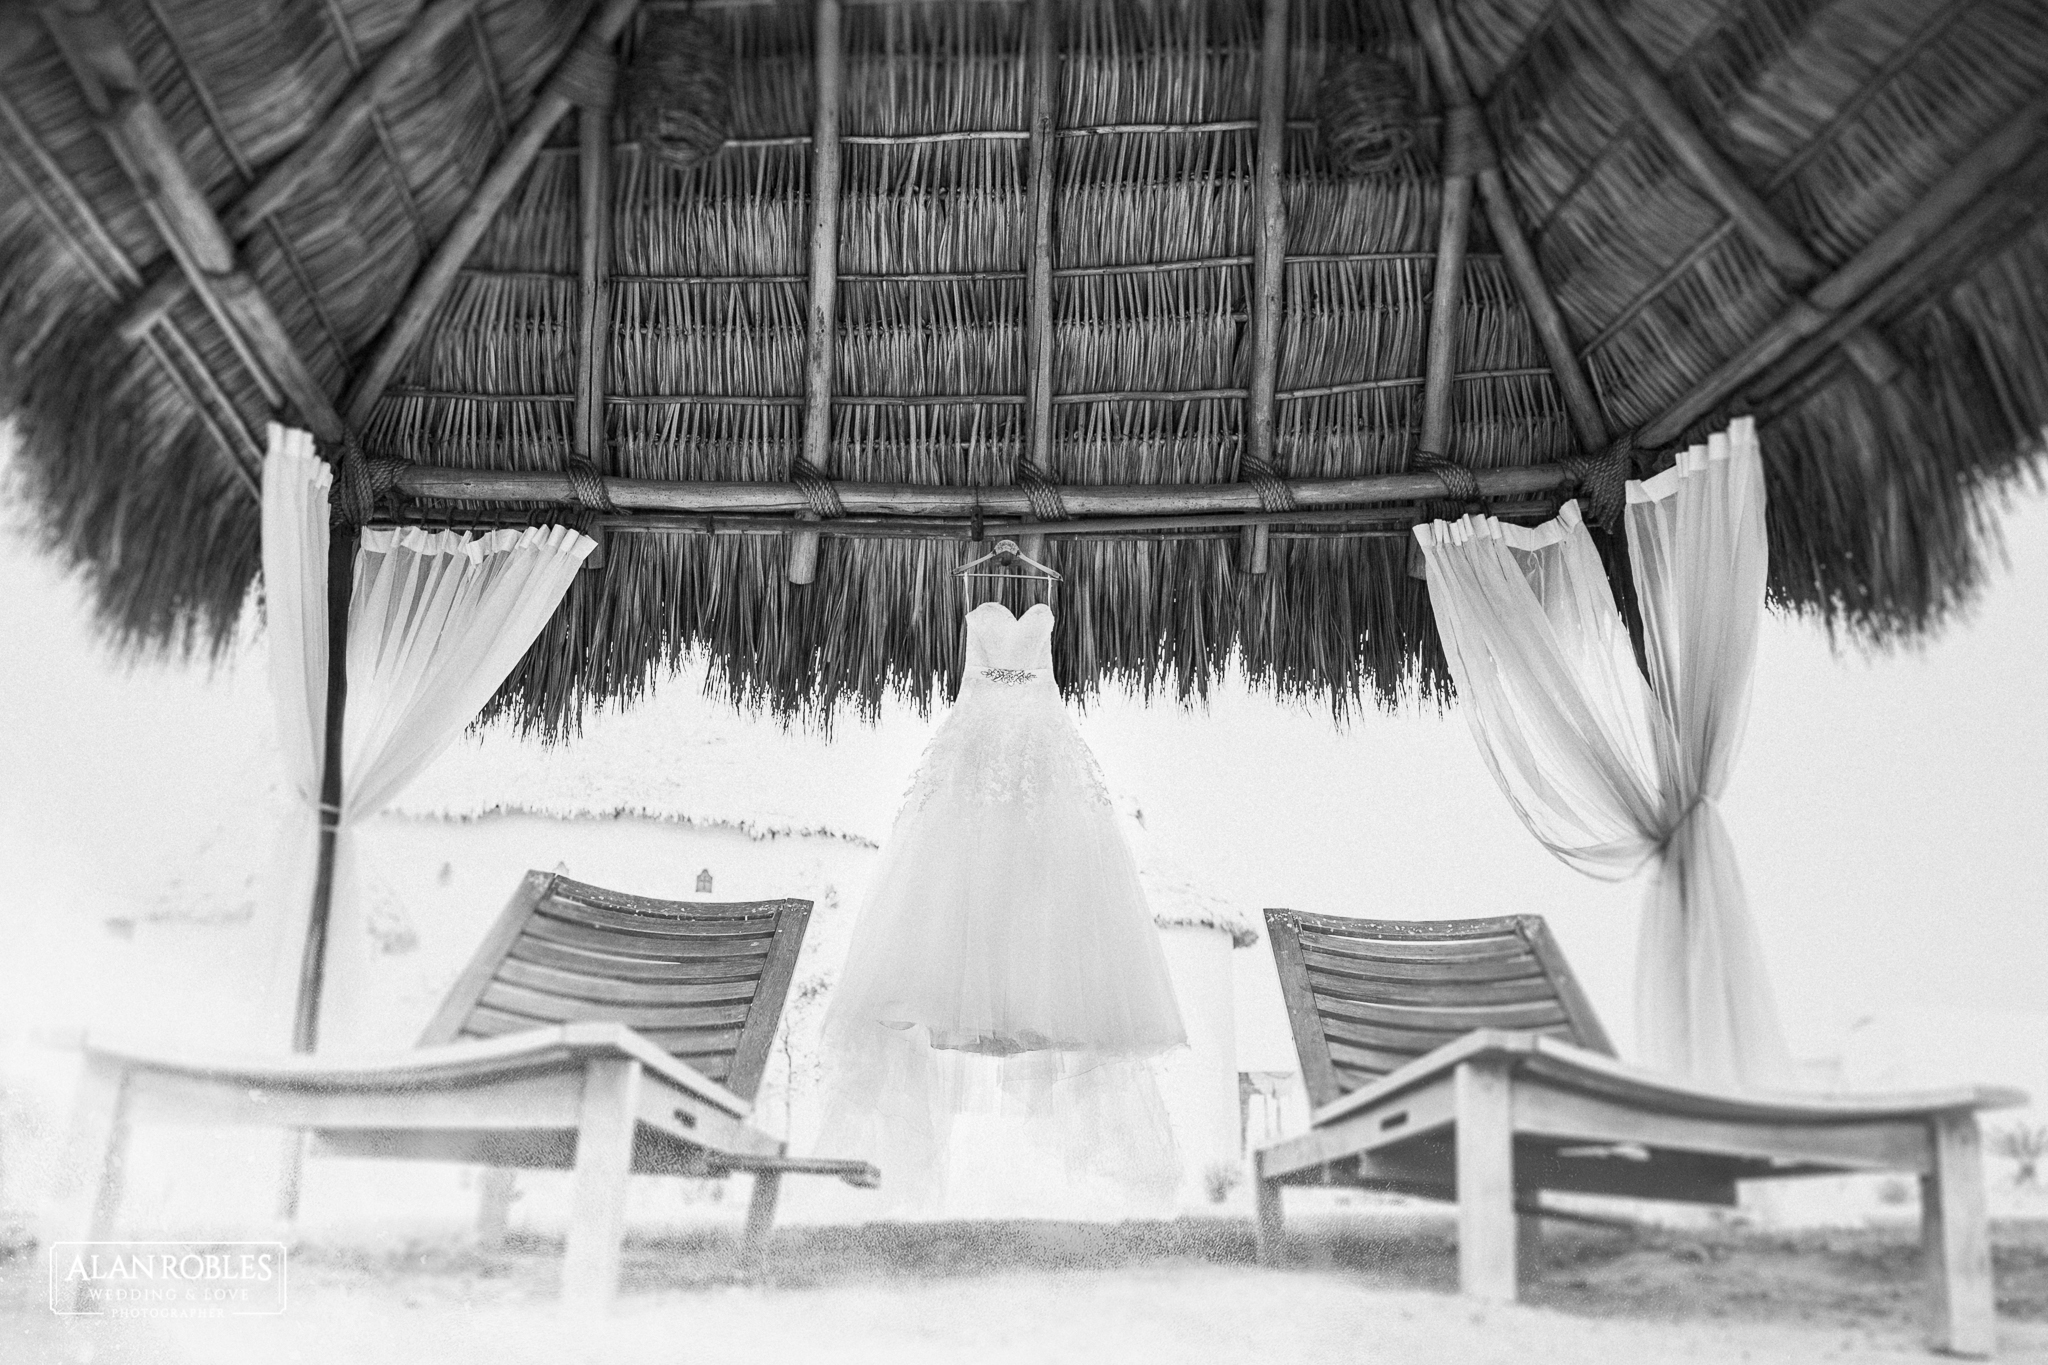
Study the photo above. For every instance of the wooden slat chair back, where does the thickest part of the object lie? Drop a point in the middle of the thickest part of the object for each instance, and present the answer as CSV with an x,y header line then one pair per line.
x,y
704,981
1367,996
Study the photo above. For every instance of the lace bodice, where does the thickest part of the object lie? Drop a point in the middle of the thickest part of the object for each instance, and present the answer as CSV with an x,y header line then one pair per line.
x,y
999,643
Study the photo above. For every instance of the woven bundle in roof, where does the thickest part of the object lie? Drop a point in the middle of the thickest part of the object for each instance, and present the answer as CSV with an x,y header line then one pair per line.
x,y
678,96
1365,112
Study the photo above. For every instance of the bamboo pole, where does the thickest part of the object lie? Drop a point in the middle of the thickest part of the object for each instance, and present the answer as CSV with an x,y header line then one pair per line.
x,y
1269,267
431,285
341,559
143,142
1038,320
1537,300
434,482
828,73
594,292
1446,298
1820,313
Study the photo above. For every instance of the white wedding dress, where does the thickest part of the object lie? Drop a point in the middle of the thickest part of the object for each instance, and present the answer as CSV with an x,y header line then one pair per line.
x,y
1005,977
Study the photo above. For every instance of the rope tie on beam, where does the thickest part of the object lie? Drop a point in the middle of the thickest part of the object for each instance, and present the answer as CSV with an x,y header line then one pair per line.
x,y
817,490
1267,482
1603,481
589,75
588,486
1046,502
1468,147
360,480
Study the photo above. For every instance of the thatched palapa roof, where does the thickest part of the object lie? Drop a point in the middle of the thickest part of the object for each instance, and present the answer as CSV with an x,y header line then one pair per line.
x,y
1106,276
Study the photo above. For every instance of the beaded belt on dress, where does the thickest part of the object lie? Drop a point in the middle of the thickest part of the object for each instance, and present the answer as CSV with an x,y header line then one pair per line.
x,y
1012,676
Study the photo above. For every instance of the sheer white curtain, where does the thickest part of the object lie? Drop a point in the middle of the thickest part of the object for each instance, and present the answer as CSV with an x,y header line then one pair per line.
x,y
1610,771
437,620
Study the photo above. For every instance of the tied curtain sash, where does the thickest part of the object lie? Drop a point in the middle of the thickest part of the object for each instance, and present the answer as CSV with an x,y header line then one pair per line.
x,y
1610,770
437,621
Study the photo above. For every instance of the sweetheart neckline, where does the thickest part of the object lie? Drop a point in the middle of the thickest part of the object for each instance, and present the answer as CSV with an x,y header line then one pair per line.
x,y
1035,606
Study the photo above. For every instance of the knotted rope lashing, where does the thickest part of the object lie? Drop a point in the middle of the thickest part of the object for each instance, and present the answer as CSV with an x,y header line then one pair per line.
x,y
1468,147
678,92
818,490
1046,502
1268,483
588,75
1603,481
359,481
1365,112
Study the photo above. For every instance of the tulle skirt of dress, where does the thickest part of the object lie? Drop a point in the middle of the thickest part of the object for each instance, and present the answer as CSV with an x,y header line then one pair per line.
x,y
1005,979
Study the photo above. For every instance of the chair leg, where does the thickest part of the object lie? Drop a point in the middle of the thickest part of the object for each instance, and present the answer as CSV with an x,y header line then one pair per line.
x,y
1955,1240
89,1194
495,1193
1486,1182
1528,1244
604,1164
760,1216
1271,1220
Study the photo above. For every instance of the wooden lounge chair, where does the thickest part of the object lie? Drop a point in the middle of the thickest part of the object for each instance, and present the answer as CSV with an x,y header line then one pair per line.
x,y
1459,1060
602,1032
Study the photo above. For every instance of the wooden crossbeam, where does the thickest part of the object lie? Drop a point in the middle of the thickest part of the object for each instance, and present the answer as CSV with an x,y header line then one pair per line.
x,y
1038,320
430,286
1793,261
1833,311
1269,268
148,151
1537,299
829,72
936,500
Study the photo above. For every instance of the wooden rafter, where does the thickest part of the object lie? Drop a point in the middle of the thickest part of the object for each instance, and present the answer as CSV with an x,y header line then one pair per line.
x,y
1831,313
117,277
1790,257
594,136
145,146
430,286
1269,266
1541,305
1038,320
829,72
1454,228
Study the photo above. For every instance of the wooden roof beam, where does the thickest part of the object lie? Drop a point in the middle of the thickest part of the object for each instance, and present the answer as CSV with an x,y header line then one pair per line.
x,y
1039,323
944,500
1790,257
430,286
829,74
1830,312
1259,444
275,187
143,143
1537,300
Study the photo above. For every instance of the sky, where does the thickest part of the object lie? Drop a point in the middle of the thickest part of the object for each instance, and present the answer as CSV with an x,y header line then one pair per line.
x,y
1889,810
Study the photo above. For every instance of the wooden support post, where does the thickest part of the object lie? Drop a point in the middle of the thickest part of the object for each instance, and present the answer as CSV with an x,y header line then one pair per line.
x,y
341,561
828,74
604,1168
496,1190
594,160
89,1188
438,275
1486,1181
1955,1240
1038,321
760,1217
1836,297
143,143
1269,265
1454,228
1537,299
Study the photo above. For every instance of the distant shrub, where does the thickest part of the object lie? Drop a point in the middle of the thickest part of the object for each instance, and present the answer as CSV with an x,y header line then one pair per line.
x,y
1220,1179
2024,1145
